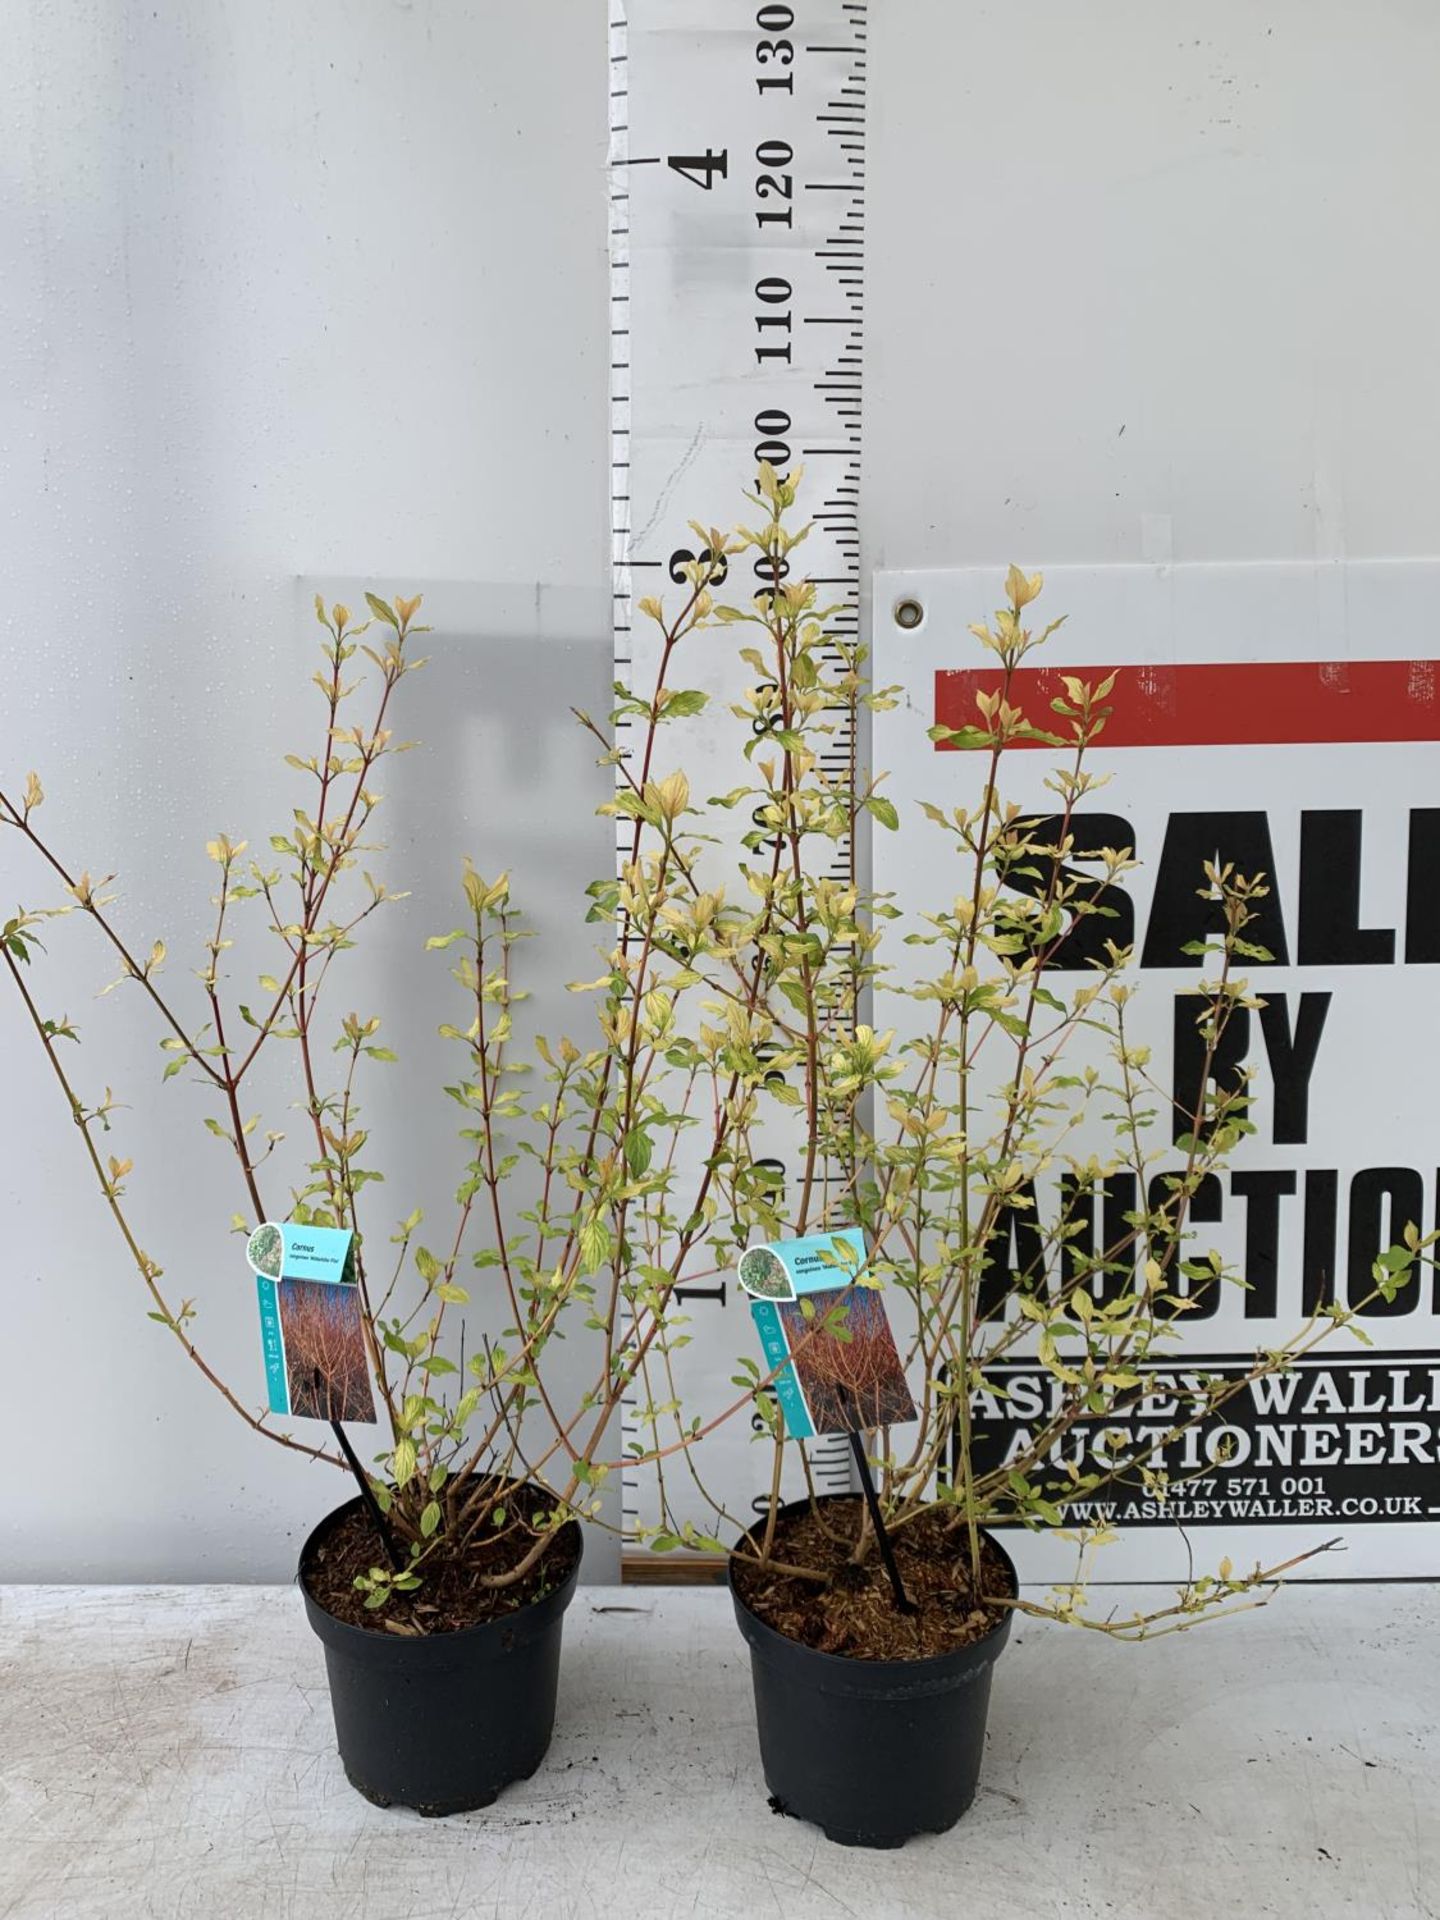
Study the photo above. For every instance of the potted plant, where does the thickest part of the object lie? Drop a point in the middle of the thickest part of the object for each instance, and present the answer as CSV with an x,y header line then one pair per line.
x,y
874,1622
439,1589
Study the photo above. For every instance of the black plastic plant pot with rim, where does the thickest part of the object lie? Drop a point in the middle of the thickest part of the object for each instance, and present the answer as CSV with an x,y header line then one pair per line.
x,y
873,1752
442,1722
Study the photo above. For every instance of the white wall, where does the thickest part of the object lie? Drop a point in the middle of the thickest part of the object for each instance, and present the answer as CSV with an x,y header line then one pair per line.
x,y
319,291
1151,272
290,292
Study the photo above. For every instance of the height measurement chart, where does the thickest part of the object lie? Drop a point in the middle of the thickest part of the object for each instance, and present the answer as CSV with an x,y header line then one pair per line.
x,y
737,235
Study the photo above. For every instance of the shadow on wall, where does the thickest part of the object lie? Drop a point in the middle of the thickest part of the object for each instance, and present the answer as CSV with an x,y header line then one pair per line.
x,y
504,773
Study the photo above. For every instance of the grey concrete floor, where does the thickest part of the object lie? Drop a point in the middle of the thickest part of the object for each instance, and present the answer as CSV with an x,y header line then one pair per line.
x,y
168,1752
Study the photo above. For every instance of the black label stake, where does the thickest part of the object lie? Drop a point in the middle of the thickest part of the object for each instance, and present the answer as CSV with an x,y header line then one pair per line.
x,y
362,1480
887,1552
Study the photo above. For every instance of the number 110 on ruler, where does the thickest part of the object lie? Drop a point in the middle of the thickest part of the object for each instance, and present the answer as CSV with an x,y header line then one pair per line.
x,y
737,238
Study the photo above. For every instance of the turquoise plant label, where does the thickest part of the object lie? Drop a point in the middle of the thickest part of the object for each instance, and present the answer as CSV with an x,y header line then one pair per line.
x,y
302,1253
825,1335
312,1335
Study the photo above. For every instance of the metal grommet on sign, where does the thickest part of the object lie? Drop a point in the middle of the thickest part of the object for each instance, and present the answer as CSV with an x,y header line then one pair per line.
x,y
908,614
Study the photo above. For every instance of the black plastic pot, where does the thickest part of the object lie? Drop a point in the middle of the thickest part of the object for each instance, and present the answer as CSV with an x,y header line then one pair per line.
x,y
871,1751
445,1721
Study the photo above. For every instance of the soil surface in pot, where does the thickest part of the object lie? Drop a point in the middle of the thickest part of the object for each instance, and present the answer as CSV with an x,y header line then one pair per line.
x,y
453,1594
855,1614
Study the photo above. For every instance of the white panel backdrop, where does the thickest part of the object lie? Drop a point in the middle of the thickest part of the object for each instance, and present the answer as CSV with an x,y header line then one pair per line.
x,y
321,291
292,293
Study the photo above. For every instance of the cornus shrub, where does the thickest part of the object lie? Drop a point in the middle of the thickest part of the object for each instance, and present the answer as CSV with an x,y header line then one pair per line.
x,y
458,1316
1008,1076
596,1170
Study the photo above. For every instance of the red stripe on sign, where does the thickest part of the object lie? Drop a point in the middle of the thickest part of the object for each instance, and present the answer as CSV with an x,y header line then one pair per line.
x,y
1272,703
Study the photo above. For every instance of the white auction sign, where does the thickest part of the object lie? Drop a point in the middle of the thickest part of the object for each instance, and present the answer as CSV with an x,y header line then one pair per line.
x,y
1287,718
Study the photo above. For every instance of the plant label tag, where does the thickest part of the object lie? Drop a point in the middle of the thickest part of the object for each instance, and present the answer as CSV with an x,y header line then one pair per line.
x,y
311,1331
825,1334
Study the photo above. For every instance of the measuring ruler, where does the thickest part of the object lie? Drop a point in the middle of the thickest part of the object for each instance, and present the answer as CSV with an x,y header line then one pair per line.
x,y
737,245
